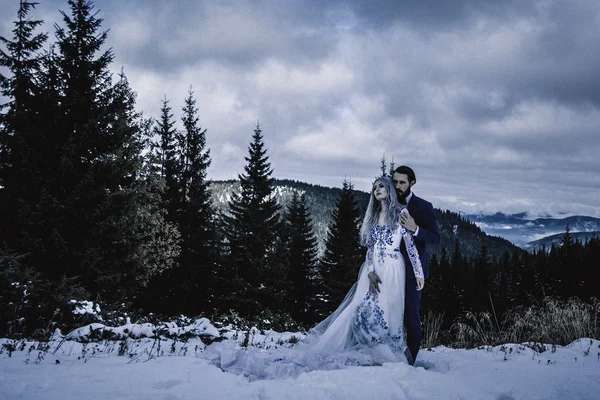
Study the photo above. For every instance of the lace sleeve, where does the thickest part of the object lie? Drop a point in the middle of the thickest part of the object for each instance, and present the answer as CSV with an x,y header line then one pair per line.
x,y
369,259
413,253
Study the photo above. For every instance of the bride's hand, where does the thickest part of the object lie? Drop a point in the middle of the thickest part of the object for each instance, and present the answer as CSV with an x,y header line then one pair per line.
x,y
407,221
420,283
374,282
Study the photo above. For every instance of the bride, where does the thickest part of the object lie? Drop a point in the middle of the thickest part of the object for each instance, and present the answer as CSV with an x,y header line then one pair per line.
x,y
368,326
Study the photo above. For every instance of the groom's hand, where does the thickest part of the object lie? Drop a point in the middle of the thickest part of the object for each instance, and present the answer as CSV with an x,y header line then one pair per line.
x,y
374,282
420,283
407,221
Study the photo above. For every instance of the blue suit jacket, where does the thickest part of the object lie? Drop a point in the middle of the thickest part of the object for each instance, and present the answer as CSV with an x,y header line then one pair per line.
x,y
422,212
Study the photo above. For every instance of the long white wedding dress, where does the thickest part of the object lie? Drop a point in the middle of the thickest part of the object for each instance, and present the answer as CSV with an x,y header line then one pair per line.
x,y
366,329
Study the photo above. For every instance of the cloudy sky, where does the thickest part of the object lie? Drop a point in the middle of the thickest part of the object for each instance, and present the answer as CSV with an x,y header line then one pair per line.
x,y
495,104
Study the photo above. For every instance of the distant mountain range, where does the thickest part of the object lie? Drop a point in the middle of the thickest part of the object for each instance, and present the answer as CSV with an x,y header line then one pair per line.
x,y
321,202
498,231
532,233
556,240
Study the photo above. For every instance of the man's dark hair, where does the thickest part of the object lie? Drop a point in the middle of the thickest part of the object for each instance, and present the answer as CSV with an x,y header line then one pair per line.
x,y
403,169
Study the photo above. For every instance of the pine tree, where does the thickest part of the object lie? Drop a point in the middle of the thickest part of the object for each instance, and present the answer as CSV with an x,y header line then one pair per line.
x,y
135,240
39,210
449,299
169,155
392,168
541,274
383,166
385,171
79,143
193,276
20,139
573,254
503,293
566,240
462,278
482,281
435,286
94,219
252,229
343,254
590,271
302,261
85,210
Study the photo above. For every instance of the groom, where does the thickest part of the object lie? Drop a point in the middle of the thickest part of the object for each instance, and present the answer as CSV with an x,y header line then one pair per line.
x,y
423,224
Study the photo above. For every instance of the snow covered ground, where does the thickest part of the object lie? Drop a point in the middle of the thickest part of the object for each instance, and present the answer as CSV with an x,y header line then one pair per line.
x,y
174,369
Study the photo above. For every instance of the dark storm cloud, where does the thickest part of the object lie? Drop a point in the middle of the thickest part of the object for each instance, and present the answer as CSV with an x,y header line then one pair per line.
x,y
239,34
506,93
428,15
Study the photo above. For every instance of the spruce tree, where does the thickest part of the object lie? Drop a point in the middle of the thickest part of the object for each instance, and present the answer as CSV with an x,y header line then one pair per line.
x,y
479,299
302,261
20,141
98,221
383,166
450,283
251,229
434,286
514,282
540,272
569,264
461,277
86,214
392,168
503,293
343,252
169,155
193,276
80,143
134,238
590,271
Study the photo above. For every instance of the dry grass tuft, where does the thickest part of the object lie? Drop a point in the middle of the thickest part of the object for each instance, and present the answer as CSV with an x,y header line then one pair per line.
x,y
432,324
555,321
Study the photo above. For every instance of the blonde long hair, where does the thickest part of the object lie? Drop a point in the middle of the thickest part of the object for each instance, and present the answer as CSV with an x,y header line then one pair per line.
x,y
374,207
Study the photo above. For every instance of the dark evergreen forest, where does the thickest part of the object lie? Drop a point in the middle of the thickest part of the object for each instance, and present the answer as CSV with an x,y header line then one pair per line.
x,y
99,203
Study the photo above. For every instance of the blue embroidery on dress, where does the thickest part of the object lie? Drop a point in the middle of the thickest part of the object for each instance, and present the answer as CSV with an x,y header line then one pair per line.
x,y
382,236
370,326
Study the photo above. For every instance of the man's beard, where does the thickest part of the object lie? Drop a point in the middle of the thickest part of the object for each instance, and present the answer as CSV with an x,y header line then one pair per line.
x,y
402,195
